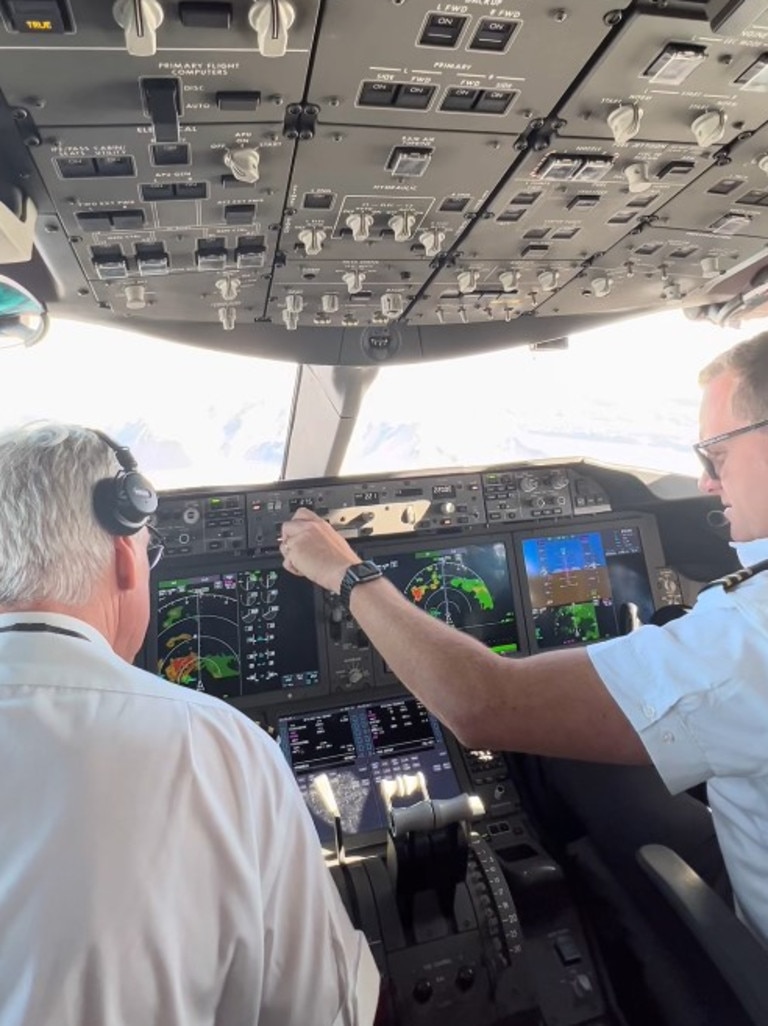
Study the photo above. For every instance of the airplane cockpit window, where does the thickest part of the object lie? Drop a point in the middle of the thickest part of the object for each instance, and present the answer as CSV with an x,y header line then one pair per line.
x,y
633,405
191,416
621,394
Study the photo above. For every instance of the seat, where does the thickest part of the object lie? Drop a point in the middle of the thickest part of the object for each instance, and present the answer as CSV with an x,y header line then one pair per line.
x,y
737,954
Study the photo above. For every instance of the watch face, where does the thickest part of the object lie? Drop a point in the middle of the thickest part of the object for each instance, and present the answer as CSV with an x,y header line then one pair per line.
x,y
364,571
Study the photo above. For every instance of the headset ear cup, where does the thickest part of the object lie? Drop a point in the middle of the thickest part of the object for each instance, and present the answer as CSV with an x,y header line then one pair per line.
x,y
123,504
105,506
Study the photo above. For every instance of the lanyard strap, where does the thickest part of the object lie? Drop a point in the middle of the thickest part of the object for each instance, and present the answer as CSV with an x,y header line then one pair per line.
x,y
42,628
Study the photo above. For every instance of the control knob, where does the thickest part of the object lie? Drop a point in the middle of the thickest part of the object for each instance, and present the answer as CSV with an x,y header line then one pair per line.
x,y
447,507
312,240
432,241
624,122
228,288
271,20
509,280
329,302
354,281
243,163
709,127
361,223
467,281
529,483
402,225
135,297
139,20
558,479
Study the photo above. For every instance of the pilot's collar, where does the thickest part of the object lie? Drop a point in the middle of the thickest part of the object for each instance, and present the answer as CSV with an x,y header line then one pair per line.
x,y
751,552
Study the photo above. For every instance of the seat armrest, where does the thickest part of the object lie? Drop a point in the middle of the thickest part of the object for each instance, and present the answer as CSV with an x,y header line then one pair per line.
x,y
738,955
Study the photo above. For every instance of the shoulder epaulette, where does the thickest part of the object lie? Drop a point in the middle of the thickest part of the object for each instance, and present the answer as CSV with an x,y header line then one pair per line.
x,y
733,580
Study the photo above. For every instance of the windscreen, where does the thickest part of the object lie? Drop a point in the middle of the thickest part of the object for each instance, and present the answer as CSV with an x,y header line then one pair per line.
x,y
237,633
578,581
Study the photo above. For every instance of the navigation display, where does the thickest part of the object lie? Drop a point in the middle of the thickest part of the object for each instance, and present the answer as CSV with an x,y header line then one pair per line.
x,y
468,587
578,581
358,746
239,633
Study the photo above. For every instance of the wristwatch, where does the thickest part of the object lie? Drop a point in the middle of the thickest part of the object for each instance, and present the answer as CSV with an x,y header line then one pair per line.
x,y
360,573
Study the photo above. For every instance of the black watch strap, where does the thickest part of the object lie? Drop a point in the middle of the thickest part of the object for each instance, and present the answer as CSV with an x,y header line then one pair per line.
x,y
360,573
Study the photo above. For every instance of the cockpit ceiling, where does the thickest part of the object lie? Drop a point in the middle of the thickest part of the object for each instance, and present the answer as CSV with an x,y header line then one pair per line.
x,y
347,183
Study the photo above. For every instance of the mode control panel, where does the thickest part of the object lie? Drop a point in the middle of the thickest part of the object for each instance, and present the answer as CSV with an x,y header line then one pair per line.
x,y
361,509
238,521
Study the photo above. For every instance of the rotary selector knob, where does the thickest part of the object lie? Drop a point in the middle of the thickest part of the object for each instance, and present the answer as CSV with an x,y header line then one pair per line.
x,y
624,122
709,128
135,297
548,279
558,479
601,286
229,288
447,508
354,281
139,20
467,281
637,177
271,20
509,280
528,483
361,223
432,241
191,515
402,225
312,240
243,163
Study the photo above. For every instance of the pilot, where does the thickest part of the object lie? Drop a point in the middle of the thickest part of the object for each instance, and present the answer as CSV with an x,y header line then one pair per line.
x,y
672,706
157,862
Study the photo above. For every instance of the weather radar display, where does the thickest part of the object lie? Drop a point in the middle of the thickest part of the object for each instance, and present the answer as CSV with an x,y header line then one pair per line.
x,y
467,587
236,634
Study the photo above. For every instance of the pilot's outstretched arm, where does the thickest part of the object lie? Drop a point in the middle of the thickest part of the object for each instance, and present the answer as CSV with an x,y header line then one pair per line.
x,y
552,704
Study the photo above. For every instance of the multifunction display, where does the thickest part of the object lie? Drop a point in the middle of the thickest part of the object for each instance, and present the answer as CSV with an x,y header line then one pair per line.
x,y
239,633
359,746
579,580
469,587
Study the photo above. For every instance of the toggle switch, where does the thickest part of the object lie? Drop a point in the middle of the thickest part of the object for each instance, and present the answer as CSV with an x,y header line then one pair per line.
x,y
161,102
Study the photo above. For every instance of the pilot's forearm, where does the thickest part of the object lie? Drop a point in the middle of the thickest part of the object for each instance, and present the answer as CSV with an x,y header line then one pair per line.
x,y
553,704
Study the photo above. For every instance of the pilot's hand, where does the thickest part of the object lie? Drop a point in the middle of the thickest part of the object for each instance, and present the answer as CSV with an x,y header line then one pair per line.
x,y
311,548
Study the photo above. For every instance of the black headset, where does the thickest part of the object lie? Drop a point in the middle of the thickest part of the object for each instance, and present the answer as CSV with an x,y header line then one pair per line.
x,y
123,504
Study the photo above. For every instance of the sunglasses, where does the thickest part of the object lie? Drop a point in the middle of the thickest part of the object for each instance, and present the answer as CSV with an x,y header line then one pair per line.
x,y
155,547
700,448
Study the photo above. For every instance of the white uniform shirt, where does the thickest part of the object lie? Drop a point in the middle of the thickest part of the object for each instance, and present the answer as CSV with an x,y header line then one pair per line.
x,y
158,866
696,691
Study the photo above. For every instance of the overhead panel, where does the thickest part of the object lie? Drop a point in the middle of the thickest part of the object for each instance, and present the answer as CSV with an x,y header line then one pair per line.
x,y
209,52
731,199
581,195
659,266
469,67
671,79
